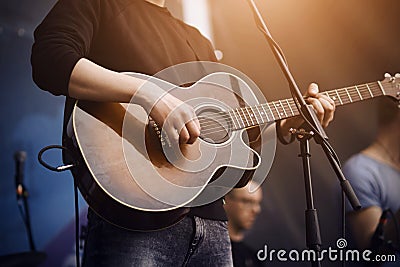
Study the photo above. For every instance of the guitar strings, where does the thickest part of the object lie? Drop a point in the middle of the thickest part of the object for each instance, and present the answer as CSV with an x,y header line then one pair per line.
x,y
362,92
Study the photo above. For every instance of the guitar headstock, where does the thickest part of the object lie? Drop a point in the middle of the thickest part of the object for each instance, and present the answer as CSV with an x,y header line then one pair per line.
x,y
391,85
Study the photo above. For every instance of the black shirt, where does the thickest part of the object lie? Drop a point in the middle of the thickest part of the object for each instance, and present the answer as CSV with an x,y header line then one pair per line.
x,y
121,35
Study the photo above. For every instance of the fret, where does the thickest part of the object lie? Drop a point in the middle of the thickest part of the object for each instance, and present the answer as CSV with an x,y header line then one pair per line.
x,y
381,87
353,94
271,111
244,125
283,108
250,116
343,96
369,90
237,116
234,113
280,109
233,121
266,113
340,100
358,91
245,117
259,114
255,115
364,91
291,110
279,114
347,91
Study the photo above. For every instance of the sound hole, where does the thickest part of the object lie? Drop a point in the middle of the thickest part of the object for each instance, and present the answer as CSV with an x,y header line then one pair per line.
x,y
215,125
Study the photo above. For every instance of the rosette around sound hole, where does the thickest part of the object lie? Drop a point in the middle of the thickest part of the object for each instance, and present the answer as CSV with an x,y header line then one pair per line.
x,y
215,125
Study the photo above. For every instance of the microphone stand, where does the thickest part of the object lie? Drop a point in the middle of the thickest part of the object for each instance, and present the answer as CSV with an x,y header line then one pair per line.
x,y
23,193
314,129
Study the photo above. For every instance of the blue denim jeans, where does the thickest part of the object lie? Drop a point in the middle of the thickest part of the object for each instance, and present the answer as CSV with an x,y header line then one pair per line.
x,y
191,242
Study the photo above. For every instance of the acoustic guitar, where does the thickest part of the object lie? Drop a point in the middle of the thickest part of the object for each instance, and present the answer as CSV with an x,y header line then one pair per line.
x,y
134,177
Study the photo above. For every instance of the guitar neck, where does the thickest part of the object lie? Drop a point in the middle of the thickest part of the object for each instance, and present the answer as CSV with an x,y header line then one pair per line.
x,y
281,109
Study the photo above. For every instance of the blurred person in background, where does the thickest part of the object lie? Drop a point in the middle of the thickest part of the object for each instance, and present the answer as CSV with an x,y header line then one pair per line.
x,y
375,176
242,206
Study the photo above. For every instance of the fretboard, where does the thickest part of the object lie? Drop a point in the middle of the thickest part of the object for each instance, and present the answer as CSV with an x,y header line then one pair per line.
x,y
272,111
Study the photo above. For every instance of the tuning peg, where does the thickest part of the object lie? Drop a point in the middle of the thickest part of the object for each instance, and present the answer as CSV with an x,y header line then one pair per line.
x,y
387,75
397,76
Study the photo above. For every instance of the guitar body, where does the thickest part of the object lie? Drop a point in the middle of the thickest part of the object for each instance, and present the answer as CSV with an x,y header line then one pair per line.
x,y
135,181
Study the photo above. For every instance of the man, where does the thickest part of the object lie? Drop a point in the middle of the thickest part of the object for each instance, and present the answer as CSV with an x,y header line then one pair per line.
x,y
375,176
80,50
242,206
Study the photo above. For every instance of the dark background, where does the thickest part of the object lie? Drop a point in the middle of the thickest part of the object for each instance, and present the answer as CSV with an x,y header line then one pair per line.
x,y
335,43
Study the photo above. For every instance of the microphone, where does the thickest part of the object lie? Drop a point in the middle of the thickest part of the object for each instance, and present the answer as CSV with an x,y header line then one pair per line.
x,y
19,158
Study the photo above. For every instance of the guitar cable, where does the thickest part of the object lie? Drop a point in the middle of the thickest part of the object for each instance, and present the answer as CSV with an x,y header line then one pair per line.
x,y
62,168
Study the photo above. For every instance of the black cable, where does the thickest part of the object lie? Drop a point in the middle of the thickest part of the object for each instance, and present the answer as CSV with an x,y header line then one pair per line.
x,y
62,168
77,254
